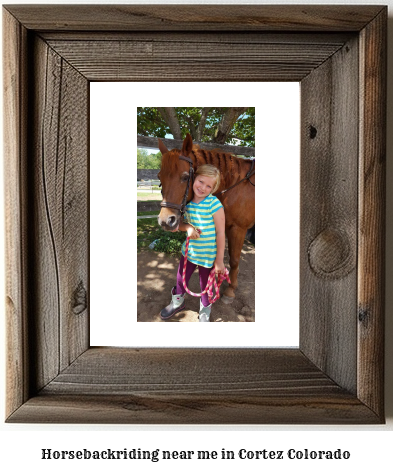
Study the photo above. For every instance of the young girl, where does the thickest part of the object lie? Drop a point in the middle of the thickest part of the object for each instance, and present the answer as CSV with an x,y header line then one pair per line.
x,y
204,213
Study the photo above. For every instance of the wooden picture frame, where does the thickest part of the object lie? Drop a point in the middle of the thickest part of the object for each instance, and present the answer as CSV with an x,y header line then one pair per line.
x,y
338,54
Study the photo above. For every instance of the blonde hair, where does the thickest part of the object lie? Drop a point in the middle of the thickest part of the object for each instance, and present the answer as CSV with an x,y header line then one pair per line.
x,y
211,172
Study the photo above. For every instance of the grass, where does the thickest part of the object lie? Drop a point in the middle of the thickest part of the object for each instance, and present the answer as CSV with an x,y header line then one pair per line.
x,y
148,231
145,193
148,213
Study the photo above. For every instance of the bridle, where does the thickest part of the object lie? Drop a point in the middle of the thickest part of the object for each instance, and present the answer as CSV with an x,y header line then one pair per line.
x,y
181,207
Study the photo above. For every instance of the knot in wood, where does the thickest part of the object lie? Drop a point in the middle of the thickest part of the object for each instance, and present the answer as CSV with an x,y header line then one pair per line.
x,y
331,254
364,316
313,132
80,299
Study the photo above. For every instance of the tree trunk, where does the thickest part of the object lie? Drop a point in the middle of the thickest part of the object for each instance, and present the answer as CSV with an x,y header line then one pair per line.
x,y
202,123
227,122
170,117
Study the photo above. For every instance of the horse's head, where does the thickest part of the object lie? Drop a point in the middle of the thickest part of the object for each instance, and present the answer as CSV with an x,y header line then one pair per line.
x,y
175,178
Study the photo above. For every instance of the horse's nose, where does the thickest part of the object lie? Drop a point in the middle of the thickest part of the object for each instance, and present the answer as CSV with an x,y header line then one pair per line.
x,y
171,221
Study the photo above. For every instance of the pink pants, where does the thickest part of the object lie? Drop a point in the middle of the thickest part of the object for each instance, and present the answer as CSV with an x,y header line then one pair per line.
x,y
203,277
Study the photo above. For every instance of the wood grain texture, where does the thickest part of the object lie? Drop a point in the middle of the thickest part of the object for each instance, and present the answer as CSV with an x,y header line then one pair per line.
x,y
372,172
329,173
191,371
195,17
202,409
14,73
202,37
188,60
193,386
52,374
60,261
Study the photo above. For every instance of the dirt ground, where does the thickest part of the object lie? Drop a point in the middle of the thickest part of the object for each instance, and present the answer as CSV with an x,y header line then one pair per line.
x,y
157,276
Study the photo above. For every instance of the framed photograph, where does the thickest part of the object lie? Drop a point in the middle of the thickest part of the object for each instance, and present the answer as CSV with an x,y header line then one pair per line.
x,y
52,57
113,107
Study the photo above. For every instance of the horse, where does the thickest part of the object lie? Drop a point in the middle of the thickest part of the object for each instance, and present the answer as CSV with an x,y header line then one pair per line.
x,y
236,193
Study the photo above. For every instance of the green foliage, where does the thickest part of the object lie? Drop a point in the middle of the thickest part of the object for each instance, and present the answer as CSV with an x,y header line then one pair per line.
x,y
148,230
152,124
244,129
150,119
170,243
146,161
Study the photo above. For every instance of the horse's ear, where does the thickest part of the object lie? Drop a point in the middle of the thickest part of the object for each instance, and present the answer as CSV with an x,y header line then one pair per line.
x,y
187,145
163,149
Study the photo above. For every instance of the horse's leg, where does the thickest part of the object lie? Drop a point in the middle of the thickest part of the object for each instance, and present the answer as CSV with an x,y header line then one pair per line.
x,y
236,236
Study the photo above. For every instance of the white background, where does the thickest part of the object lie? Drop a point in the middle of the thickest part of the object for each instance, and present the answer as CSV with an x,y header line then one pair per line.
x,y
370,446
113,266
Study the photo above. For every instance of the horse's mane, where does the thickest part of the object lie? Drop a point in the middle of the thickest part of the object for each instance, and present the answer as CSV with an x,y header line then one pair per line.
x,y
230,165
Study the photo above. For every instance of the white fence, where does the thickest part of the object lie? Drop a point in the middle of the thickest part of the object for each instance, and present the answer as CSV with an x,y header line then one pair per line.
x,y
148,185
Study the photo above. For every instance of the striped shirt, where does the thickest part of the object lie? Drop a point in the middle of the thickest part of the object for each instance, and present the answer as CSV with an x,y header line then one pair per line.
x,y
202,251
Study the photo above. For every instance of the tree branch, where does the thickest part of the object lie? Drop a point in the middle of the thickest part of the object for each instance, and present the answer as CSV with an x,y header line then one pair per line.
x,y
170,117
227,122
202,123
191,126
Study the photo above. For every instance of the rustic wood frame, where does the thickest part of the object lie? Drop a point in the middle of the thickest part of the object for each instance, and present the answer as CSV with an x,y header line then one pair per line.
x,y
338,54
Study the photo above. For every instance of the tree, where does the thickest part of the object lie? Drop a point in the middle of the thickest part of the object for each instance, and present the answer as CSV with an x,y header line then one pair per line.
x,y
230,125
146,161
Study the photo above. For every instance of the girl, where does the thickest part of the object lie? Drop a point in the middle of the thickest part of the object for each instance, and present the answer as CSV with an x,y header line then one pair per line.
x,y
206,228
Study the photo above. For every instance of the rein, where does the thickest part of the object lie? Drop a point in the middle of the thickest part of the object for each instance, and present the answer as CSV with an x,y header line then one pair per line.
x,y
211,282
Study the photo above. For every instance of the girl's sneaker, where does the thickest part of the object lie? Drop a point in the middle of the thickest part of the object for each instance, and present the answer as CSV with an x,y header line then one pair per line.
x,y
176,305
204,313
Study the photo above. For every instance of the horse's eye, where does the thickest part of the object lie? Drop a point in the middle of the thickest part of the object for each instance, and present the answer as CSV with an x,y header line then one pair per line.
x,y
184,177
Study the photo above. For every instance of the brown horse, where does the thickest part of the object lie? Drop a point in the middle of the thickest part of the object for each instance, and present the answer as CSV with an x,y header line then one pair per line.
x,y
236,193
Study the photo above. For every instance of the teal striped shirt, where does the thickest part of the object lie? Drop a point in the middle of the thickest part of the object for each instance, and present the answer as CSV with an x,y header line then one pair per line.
x,y
202,251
